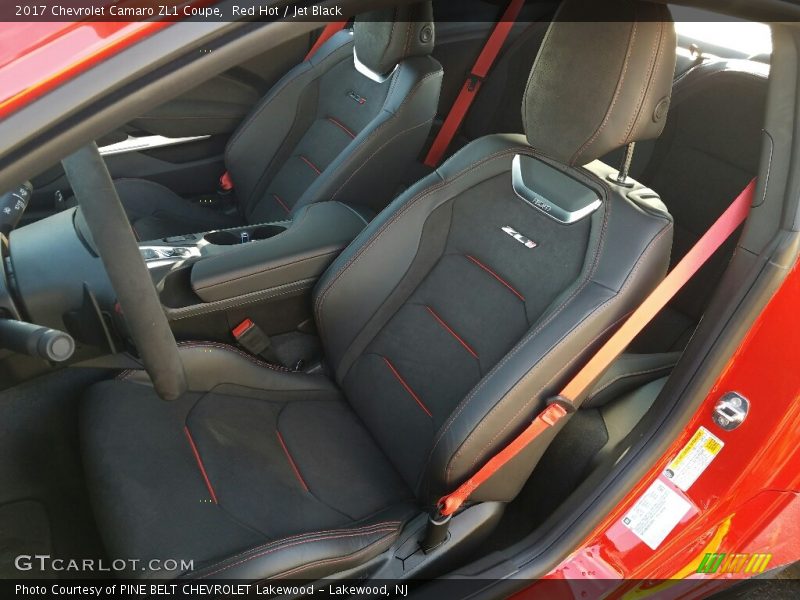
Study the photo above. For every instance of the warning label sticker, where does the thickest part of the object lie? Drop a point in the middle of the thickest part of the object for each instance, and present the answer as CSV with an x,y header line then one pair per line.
x,y
656,513
693,459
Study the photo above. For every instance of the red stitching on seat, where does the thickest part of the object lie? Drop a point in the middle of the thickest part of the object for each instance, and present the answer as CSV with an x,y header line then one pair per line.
x,y
453,333
228,348
282,203
307,535
341,126
291,461
200,464
406,386
496,276
310,164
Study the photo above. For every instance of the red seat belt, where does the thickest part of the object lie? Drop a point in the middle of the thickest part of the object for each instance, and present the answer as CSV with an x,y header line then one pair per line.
x,y
720,231
330,30
473,83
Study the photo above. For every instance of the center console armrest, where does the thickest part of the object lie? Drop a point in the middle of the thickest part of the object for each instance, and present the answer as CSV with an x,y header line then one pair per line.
x,y
318,233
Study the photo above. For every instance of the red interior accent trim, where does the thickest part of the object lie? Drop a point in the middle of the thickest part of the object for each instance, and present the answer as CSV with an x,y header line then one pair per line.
x,y
473,83
496,276
720,231
200,464
291,461
282,203
342,126
310,164
330,30
453,333
242,328
406,386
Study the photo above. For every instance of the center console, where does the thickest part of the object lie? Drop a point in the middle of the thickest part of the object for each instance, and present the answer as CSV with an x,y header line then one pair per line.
x,y
210,281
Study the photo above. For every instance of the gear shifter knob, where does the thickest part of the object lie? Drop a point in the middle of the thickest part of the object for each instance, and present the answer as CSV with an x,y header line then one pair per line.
x,y
13,205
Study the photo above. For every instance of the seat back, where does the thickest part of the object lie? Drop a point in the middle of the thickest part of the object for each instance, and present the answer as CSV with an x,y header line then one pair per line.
x,y
344,124
463,306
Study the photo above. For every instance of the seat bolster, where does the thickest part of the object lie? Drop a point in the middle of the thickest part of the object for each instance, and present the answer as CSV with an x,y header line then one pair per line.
x,y
313,555
258,140
506,399
211,365
628,372
369,163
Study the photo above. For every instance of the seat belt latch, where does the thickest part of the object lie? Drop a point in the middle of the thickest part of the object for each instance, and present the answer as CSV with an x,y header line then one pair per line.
x,y
225,184
250,337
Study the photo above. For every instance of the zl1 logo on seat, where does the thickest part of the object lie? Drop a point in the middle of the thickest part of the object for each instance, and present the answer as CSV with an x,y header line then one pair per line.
x,y
357,98
519,237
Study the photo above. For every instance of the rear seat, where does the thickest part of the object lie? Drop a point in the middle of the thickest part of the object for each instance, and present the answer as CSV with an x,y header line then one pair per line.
x,y
707,154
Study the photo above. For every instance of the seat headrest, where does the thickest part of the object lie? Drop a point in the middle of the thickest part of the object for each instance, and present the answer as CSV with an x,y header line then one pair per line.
x,y
602,79
384,37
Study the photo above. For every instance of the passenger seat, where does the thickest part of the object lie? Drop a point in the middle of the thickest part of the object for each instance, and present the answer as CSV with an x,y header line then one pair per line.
x,y
343,125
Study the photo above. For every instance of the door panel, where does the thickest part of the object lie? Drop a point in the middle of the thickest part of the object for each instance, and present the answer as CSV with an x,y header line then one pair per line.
x,y
218,105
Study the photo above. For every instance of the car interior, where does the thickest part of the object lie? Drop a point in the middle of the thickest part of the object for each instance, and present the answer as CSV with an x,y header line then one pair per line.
x,y
338,335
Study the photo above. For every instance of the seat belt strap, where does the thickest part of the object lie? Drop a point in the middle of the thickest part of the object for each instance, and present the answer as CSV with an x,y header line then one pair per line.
x,y
570,397
330,30
473,83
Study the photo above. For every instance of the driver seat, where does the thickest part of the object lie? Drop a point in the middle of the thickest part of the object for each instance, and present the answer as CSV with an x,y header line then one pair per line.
x,y
447,324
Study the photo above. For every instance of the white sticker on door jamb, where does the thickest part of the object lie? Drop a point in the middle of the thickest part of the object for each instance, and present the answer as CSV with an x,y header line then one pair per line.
x,y
656,514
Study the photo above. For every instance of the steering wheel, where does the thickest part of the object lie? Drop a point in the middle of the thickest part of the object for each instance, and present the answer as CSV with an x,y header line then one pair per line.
x,y
115,243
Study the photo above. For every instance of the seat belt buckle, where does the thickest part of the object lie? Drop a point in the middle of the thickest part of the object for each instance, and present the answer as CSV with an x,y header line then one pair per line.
x,y
250,337
437,531
225,184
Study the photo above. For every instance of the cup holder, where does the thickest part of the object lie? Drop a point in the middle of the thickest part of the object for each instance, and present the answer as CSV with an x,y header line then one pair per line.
x,y
232,238
266,231
223,238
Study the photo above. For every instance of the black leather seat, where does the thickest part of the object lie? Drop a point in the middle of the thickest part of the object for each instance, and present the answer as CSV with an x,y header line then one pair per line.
x,y
447,325
343,125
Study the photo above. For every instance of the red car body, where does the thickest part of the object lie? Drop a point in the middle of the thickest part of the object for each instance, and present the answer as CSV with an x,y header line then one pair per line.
x,y
746,501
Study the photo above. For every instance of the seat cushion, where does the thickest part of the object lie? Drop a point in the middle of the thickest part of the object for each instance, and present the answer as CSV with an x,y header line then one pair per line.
x,y
238,470
157,212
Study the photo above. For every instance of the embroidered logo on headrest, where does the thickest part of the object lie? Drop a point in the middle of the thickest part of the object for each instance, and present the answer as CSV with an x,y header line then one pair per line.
x,y
519,237
357,98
